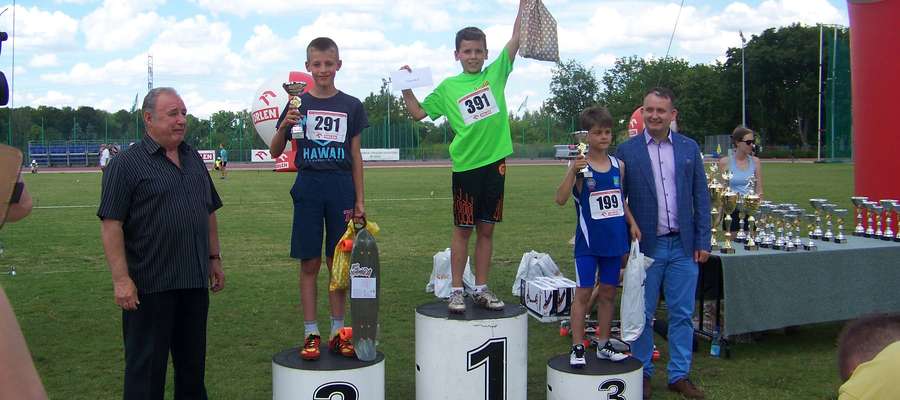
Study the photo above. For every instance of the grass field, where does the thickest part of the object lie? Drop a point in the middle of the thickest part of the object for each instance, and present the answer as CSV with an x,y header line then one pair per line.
x,y
63,292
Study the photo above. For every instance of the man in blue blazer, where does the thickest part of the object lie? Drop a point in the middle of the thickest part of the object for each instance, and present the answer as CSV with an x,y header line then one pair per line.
x,y
666,190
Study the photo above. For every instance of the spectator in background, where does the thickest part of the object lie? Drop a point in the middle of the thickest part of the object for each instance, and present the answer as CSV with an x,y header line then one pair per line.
x,y
743,165
223,158
104,156
869,358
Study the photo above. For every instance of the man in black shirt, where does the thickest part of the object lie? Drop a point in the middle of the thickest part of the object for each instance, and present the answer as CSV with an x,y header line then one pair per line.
x,y
161,242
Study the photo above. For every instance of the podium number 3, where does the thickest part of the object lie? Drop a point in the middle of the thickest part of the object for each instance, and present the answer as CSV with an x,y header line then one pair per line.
x,y
336,391
614,388
492,355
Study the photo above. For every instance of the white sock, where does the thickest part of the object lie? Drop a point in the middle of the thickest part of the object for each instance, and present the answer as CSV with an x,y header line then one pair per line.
x,y
455,289
336,324
480,288
311,328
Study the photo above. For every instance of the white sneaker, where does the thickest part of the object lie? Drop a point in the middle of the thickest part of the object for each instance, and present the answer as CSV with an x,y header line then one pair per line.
x,y
457,303
487,299
576,357
608,352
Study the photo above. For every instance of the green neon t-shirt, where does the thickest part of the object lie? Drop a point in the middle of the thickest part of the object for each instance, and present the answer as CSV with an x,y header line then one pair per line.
x,y
475,107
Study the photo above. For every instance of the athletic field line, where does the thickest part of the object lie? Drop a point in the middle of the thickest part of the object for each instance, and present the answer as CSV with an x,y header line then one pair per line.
x,y
255,203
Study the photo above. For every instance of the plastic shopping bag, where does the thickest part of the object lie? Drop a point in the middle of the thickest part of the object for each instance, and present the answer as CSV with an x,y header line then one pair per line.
x,y
340,266
533,265
631,310
440,279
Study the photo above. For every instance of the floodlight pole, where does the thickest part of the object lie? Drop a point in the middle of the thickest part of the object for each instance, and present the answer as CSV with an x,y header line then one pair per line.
x,y
819,129
743,83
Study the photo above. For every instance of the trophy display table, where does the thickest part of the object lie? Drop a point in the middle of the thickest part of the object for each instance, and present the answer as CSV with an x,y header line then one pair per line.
x,y
770,289
599,379
332,376
480,354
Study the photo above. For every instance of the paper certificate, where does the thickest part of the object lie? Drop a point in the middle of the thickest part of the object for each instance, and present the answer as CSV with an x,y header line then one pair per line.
x,y
403,79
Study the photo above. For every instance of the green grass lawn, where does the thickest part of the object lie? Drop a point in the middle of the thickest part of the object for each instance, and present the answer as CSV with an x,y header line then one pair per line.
x,y
63,292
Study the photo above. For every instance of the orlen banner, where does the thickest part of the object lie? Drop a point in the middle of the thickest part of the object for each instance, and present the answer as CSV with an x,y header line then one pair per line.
x,y
269,100
208,156
636,123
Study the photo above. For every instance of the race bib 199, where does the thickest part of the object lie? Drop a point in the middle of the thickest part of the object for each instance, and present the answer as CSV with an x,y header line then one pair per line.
x,y
478,105
326,125
606,204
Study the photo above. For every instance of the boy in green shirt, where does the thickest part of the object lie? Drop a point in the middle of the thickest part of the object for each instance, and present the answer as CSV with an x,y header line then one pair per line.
x,y
474,104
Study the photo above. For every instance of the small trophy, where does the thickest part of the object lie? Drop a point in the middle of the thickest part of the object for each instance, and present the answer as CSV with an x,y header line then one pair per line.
x,y
729,202
829,216
877,209
858,204
896,208
778,229
840,213
294,90
870,224
810,225
582,147
817,205
888,231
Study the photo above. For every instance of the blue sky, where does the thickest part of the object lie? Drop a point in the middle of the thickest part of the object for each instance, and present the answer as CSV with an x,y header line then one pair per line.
x,y
218,52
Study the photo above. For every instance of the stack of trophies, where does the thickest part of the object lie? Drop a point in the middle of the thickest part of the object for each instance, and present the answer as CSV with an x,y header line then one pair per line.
x,y
876,212
778,226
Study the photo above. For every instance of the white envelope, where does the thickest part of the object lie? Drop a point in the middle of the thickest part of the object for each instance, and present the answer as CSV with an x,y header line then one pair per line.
x,y
403,79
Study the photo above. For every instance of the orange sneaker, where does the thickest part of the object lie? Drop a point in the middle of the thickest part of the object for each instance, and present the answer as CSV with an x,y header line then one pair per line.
x,y
310,350
341,343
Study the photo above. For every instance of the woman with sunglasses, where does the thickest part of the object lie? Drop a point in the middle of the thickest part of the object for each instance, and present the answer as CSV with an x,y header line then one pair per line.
x,y
742,165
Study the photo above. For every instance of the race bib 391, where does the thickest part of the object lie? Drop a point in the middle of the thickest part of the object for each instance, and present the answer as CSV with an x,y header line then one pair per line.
x,y
478,105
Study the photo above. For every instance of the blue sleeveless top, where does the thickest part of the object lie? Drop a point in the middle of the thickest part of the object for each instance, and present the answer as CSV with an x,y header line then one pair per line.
x,y
602,229
739,177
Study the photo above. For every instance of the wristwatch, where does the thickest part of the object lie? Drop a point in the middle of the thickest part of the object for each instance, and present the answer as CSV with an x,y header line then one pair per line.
x,y
215,257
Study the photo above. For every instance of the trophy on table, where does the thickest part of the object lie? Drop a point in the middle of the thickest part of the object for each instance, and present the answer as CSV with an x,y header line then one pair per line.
x,y
840,213
896,208
870,223
858,204
877,209
294,90
810,225
729,203
778,229
750,206
888,231
817,206
715,203
765,217
797,220
789,219
829,233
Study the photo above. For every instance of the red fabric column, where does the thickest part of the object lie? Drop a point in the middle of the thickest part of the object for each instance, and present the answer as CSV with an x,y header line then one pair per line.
x,y
875,67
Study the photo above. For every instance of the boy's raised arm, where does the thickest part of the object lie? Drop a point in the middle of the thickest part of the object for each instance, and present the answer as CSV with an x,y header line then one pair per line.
x,y
412,103
512,46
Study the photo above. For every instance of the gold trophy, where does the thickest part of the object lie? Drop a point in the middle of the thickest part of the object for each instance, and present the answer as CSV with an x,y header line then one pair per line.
x,y
870,224
859,204
840,213
294,90
715,203
582,138
729,203
888,231
749,207
810,225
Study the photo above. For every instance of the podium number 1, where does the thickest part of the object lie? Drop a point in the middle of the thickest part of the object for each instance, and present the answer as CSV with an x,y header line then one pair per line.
x,y
492,355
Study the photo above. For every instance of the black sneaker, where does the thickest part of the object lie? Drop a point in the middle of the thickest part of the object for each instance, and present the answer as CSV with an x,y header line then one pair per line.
x,y
576,357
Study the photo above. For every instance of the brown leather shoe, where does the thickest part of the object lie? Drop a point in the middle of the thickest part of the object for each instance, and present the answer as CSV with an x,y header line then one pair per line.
x,y
647,388
687,389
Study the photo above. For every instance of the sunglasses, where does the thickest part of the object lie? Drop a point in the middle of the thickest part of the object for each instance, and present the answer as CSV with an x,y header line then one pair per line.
x,y
749,142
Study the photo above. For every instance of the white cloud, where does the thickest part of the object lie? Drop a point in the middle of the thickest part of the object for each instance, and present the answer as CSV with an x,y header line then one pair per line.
x,y
44,60
244,8
423,15
120,24
45,30
52,98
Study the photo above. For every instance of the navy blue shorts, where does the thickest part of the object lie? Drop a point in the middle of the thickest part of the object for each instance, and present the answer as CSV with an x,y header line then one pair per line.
x,y
586,270
321,200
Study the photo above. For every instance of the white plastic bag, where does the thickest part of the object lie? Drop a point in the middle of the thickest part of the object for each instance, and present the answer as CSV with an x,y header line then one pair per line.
x,y
631,310
439,283
533,265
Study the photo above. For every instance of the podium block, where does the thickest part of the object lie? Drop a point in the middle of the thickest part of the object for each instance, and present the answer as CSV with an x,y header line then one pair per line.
x,y
480,354
330,377
599,378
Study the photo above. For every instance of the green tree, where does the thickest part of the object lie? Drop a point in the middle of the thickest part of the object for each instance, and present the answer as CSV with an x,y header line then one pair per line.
x,y
573,87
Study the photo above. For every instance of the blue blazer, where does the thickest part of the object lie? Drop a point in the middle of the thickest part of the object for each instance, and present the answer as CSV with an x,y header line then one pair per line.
x,y
690,183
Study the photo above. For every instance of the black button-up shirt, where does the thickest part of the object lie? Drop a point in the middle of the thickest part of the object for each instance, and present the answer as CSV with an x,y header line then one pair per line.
x,y
164,212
